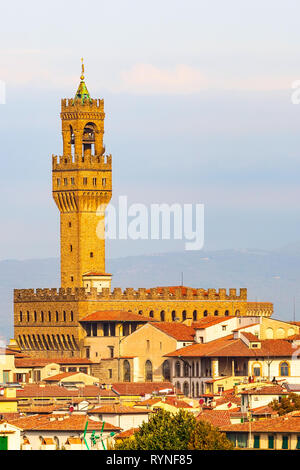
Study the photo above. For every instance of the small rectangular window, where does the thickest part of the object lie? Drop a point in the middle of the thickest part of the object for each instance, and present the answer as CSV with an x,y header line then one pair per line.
x,y
103,182
85,181
72,181
110,373
94,181
65,181
71,248
58,182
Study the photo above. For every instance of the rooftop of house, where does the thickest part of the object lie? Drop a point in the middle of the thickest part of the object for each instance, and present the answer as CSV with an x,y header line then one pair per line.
x,y
63,375
215,417
40,390
266,390
128,433
63,422
42,362
117,409
206,322
286,423
178,331
142,388
116,316
230,347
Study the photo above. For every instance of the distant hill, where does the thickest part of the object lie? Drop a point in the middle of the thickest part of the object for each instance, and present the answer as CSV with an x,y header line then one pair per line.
x,y
269,276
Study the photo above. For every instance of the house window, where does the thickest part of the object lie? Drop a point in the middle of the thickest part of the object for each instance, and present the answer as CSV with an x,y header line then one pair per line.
x,y
177,369
84,181
87,353
42,316
148,371
91,254
110,373
285,442
216,313
73,369
65,181
223,327
34,315
298,443
5,376
111,351
205,313
148,344
71,248
58,182
21,317
166,371
103,182
256,444
94,181
270,442
126,371
72,181
284,369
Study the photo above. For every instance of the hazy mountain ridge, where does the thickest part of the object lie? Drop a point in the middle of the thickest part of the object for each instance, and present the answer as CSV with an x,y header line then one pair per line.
x,y
268,275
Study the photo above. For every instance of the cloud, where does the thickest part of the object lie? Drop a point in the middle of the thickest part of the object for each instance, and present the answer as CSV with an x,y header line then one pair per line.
x,y
185,79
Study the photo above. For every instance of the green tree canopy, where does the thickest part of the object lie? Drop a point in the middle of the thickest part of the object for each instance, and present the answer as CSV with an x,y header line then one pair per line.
x,y
286,404
205,436
166,431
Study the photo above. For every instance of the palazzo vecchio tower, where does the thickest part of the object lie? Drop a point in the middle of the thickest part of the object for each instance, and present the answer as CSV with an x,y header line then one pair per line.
x,y
53,322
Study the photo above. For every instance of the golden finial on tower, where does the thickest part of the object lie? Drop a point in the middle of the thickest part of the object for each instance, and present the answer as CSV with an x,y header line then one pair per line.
x,y
82,70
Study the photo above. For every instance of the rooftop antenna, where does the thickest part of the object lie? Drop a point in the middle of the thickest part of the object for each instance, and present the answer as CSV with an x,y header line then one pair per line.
x,y
182,278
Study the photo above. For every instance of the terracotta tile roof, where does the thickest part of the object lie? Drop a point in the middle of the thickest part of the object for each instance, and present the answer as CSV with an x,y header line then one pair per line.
x,y
263,410
116,315
229,347
206,322
39,409
117,409
64,422
58,377
228,397
125,434
286,423
179,331
251,337
10,352
36,390
41,362
267,390
141,388
245,327
215,417
149,402
173,401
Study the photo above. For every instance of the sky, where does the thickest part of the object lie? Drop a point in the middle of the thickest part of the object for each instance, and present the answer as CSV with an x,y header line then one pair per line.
x,y
198,110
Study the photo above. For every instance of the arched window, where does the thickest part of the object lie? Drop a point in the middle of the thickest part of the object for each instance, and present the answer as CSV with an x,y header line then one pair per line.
x,y
72,316
186,370
49,316
148,371
205,313
193,369
42,316
216,313
226,313
193,390
184,315
56,316
151,314
162,315
173,315
178,386
257,370
140,312
195,315
284,369
126,371
197,389
197,369
166,371
177,369
186,389
28,316
237,312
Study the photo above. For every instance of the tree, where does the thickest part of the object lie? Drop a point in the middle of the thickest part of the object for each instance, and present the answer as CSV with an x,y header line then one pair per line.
x,y
205,436
180,431
286,404
164,431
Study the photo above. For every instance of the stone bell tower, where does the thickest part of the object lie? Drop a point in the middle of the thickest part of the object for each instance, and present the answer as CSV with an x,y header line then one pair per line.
x,y
82,188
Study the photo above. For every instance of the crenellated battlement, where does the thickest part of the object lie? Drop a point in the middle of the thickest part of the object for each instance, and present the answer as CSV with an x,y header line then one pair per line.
x,y
71,105
79,293
90,162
